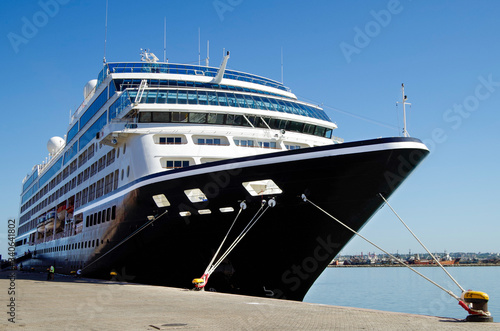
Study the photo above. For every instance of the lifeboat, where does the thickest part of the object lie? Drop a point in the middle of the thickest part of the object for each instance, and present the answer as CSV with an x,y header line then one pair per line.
x,y
51,215
69,212
61,213
40,228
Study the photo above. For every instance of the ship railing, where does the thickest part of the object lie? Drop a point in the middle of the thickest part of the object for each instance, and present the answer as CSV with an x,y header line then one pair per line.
x,y
119,125
337,140
170,68
259,146
49,161
83,104
102,75
122,103
213,144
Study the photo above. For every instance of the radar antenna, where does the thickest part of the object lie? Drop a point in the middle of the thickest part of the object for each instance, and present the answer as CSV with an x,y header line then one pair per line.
x,y
147,56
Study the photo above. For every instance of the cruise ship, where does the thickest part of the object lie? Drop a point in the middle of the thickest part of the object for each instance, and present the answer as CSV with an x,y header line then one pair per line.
x,y
202,177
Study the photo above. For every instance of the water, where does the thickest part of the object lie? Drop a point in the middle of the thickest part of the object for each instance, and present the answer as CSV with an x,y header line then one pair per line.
x,y
399,289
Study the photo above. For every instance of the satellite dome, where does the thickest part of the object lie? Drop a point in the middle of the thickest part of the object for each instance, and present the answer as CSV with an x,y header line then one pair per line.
x,y
55,144
89,87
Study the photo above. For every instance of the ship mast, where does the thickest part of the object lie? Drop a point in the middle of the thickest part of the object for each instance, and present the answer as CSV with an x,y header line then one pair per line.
x,y
404,97
105,34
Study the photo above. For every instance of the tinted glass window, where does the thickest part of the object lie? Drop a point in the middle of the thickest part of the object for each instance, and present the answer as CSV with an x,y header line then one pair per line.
x,y
202,98
197,117
172,97
212,99
181,97
161,117
192,98
215,118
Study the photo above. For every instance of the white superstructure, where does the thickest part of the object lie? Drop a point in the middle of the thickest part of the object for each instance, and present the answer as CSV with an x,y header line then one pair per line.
x,y
142,118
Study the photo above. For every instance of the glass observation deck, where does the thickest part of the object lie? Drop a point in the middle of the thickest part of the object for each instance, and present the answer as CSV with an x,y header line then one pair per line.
x,y
224,99
184,69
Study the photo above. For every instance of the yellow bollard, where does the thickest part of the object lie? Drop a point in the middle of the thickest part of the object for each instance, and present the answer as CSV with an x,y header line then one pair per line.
x,y
479,309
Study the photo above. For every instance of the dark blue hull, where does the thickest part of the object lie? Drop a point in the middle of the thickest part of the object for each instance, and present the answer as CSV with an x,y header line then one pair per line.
x,y
286,250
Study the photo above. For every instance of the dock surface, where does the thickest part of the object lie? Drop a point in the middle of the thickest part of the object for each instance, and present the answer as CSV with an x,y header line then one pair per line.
x,y
68,303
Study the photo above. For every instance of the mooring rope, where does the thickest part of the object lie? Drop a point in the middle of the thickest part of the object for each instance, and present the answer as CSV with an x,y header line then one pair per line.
x,y
247,228
389,254
145,225
420,242
242,207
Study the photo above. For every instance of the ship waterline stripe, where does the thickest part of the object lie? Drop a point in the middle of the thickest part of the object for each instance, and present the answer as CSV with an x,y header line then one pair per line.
x,y
250,163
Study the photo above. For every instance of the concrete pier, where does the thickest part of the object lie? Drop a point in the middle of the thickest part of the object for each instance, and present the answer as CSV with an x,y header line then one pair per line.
x,y
67,303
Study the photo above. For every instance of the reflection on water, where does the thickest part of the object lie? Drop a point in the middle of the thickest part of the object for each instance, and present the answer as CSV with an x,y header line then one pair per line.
x,y
399,289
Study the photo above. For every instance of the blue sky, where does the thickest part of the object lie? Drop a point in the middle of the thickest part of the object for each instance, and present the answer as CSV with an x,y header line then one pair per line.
x,y
349,56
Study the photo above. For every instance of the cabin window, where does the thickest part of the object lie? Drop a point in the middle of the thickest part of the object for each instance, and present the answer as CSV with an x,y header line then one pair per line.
x,y
209,141
175,164
292,147
170,140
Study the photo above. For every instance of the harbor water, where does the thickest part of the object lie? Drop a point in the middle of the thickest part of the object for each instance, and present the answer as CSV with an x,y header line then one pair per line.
x,y
399,289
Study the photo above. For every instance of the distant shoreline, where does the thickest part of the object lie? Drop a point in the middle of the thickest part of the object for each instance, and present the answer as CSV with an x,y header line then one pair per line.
x,y
414,265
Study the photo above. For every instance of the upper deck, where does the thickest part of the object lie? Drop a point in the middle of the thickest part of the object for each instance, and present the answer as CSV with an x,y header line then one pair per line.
x,y
185,69
237,99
